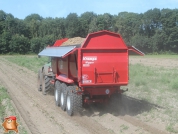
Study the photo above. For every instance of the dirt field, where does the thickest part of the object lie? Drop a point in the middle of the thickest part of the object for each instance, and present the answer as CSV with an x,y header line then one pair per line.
x,y
155,62
43,117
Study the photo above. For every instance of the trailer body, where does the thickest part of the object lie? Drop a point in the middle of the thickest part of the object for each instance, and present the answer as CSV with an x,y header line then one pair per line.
x,y
97,68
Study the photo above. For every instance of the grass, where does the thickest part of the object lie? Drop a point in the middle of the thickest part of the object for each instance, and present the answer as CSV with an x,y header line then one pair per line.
x,y
123,128
157,86
31,62
3,95
6,109
173,56
157,78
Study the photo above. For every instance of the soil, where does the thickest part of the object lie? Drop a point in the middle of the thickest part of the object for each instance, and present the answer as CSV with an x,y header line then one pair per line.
x,y
73,41
43,117
154,62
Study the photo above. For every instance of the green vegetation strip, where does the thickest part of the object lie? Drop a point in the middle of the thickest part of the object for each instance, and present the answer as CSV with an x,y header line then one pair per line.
x,y
158,86
160,56
6,109
161,79
174,56
33,63
3,96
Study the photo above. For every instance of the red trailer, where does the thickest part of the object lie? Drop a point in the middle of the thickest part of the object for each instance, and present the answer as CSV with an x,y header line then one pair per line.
x,y
89,72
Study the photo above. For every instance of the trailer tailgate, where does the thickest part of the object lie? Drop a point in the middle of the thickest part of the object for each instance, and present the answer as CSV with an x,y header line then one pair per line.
x,y
104,67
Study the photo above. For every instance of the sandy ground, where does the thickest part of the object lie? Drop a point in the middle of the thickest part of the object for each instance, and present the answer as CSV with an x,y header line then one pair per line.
x,y
73,41
43,117
154,62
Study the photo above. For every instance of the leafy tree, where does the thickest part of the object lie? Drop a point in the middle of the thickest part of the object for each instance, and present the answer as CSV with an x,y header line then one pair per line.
x,y
141,42
5,38
158,41
153,31
19,44
101,22
33,22
85,20
21,28
36,45
72,25
93,27
151,22
31,17
59,28
128,25
169,21
48,40
2,21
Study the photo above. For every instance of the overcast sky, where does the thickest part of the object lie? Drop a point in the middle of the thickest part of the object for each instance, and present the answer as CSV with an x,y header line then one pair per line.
x,y
61,8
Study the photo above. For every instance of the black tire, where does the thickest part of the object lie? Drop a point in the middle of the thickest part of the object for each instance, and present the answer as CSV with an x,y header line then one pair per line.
x,y
39,84
46,84
57,93
74,101
63,96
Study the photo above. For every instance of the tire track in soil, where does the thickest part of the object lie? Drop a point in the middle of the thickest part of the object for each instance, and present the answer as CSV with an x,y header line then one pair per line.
x,y
21,109
22,88
135,121
23,104
140,124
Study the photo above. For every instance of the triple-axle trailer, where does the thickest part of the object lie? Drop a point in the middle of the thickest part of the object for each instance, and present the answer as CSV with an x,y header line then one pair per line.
x,y
88,72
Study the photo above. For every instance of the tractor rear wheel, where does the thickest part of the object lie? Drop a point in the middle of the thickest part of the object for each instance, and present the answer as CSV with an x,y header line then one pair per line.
x,y
46,84
74,101
63,96
57,93
39,84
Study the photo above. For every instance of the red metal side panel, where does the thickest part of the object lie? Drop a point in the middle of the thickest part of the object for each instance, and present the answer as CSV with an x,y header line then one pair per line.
x,y
64,79
104,67
63,66
59,42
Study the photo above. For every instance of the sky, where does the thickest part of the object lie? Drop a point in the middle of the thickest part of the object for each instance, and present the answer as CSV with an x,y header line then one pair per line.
x,y
61,8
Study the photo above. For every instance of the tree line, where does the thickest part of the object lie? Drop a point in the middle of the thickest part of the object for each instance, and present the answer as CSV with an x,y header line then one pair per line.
x,y
156,30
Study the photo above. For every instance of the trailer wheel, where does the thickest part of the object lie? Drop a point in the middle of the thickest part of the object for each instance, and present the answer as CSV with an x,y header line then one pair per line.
x,y
74,101
57,93
46,84
70,103
39,86
63,96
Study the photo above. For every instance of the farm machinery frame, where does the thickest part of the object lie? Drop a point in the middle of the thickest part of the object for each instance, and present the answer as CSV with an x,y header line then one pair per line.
x,y
86,73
